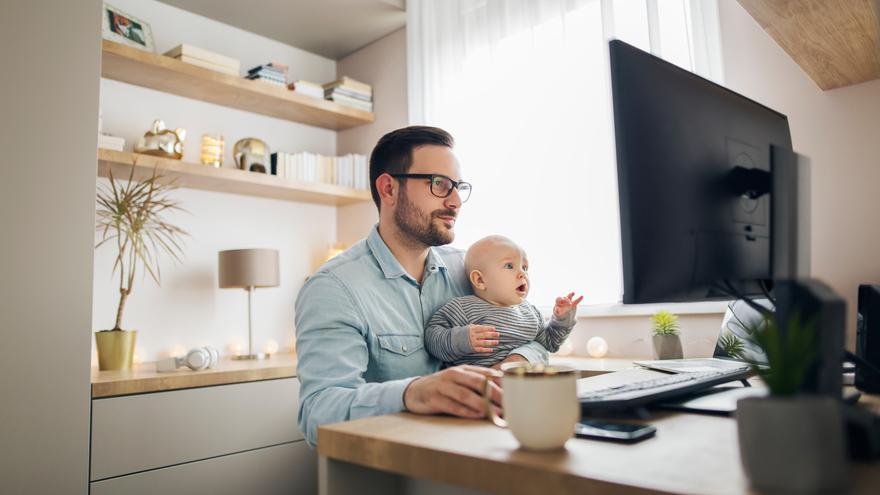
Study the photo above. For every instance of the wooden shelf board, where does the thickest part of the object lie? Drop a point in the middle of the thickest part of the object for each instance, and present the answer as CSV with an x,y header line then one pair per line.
x,y
836,42
227,180
144,378
134,66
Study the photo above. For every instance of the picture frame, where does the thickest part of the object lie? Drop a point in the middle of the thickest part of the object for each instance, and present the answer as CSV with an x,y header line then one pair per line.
x,y
123,28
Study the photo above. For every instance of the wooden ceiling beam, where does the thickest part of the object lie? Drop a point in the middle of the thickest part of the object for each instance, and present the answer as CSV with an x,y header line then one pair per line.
x,y
836,42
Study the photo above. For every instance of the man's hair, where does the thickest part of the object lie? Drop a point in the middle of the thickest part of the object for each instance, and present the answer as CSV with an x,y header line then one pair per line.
x,y
393,153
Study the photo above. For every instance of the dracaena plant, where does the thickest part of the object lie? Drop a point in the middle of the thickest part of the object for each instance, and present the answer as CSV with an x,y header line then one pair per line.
x,y
130,217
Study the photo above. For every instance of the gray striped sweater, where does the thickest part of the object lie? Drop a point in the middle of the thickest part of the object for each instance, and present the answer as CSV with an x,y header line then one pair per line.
x,y
446,336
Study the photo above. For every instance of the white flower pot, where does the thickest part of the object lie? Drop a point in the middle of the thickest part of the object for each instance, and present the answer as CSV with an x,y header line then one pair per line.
x,y
793,445
667,347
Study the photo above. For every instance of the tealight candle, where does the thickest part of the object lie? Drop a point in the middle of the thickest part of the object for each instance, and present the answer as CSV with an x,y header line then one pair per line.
x,y
597,347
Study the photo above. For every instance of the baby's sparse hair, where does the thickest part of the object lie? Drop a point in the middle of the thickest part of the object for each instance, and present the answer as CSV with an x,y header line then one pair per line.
x,y
479,252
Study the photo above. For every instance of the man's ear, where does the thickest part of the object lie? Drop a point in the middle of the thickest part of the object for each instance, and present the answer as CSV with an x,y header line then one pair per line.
x,y
386,186
476,279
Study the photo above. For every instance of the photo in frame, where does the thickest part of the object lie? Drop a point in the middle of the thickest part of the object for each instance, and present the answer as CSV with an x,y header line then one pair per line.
x,y
120,27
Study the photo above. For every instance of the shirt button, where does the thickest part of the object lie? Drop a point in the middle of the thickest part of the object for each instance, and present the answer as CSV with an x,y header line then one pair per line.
x,y
403,348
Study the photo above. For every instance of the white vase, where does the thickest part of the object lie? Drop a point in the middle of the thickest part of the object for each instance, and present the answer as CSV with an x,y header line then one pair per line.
x,y
793,445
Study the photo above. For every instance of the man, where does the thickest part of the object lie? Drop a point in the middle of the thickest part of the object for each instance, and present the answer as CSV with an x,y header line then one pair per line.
x,y
360,320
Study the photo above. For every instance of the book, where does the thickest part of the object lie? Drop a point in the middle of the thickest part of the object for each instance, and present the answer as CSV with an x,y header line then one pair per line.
x,y
351,102
350,83
269,76
109,142
308,88
202,54
208,65
349,93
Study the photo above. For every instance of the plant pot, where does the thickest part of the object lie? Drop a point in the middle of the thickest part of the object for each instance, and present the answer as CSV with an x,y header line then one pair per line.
x,y
667,347
115,349
793,445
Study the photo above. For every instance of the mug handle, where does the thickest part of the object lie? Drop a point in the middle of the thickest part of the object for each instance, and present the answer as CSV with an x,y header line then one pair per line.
x,y
487,401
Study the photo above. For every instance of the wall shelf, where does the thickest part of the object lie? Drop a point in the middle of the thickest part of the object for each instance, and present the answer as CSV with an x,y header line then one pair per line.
x,y
150,70
227,180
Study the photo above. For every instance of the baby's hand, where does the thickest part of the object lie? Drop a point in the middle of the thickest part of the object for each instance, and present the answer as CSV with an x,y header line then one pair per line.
x,y
566,304
483,338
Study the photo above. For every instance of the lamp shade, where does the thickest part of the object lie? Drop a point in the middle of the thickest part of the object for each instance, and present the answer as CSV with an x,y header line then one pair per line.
x,y
243,268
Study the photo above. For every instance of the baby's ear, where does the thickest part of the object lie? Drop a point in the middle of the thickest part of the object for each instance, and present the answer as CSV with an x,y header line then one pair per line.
x,y
476,279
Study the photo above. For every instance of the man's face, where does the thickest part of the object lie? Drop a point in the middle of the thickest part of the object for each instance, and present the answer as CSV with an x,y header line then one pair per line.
x,y
427,219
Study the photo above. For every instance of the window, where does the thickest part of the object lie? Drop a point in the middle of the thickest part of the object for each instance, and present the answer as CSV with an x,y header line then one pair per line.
x,y
524,88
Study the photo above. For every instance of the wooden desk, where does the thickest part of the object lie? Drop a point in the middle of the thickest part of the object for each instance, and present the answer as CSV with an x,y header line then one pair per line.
x,y
406,453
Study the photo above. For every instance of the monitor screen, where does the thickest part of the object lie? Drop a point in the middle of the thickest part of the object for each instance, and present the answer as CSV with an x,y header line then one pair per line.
x,y
684,227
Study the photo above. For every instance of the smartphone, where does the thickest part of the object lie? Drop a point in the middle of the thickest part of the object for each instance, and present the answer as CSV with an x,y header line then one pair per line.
x,y
617,432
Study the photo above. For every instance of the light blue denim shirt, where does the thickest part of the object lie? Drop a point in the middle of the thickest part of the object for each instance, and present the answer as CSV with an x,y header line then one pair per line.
x,y
360,324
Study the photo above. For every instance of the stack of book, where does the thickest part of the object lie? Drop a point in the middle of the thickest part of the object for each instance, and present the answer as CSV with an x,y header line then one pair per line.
x,y
273,73
204,58
307,88
108,142
349,92
347,171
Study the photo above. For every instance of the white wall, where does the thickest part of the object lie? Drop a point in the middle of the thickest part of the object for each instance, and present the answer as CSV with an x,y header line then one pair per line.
x,y
189,310
382,64
839,131
49,104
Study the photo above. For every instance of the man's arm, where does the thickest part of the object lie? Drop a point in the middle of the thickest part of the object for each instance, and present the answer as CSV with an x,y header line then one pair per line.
x,y
332,357
532,352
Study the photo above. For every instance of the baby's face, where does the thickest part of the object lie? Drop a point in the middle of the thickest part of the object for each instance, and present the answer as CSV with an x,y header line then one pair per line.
x,y
506,276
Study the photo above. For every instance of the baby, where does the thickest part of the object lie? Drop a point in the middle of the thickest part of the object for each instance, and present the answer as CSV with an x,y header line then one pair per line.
x,y
483,328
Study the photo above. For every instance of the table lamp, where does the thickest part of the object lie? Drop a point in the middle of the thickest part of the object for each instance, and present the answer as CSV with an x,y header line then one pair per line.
x,y
248,269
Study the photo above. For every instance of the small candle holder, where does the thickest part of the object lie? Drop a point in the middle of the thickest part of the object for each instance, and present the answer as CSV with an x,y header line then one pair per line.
x,y
212,150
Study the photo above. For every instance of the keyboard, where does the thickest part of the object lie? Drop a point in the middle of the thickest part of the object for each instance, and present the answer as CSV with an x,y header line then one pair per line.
x,y
643,392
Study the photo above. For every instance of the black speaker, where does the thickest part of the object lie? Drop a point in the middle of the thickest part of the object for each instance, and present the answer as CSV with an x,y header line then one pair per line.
x,y
868,338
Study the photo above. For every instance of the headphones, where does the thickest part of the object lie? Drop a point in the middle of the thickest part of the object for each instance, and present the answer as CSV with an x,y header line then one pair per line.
x,y
196,359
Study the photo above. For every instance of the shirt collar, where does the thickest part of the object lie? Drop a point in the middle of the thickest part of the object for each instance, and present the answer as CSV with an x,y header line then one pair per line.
x,y
392,268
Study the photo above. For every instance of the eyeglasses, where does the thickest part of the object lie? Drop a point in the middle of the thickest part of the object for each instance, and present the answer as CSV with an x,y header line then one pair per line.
x,y
441,186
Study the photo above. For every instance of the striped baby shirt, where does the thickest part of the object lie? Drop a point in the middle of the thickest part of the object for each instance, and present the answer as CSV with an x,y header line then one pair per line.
x,y
446,336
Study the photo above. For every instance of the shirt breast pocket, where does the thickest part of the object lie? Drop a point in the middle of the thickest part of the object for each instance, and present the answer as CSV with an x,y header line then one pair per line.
x,y
402,356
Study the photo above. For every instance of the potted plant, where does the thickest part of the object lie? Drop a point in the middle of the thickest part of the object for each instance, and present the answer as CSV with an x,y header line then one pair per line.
x,y
129,218
667,343
789,441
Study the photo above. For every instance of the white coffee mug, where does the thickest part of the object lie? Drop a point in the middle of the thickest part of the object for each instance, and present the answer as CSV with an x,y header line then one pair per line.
x,y
540,404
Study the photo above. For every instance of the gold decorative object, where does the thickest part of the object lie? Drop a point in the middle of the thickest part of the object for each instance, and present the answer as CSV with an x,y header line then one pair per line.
x,y
115,349
163,142
252,154
212,150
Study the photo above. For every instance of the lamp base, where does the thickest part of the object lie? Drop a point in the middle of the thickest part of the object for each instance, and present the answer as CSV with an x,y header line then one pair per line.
x,y
251,357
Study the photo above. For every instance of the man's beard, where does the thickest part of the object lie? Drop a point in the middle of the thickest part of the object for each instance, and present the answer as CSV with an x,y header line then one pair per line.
x,y
419,226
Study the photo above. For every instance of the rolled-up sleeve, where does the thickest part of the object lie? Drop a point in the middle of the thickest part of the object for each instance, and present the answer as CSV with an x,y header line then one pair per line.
x,y
534,352
332,356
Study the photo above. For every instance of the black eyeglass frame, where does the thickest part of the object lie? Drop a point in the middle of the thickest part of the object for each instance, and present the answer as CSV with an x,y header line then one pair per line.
x,y
455,184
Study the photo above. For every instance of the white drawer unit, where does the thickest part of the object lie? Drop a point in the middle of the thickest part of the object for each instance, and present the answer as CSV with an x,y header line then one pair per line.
x,y
235,432
288,469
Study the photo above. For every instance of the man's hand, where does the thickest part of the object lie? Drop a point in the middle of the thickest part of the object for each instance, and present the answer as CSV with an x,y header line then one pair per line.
x,y
566,304
457,391
483,338
511,358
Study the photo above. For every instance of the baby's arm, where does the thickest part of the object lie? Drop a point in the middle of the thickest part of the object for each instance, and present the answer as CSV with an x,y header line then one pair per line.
x,y
449,337
561,322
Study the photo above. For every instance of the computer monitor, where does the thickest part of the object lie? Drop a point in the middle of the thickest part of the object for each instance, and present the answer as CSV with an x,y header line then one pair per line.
x,y
867,378
714,204
694,162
